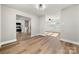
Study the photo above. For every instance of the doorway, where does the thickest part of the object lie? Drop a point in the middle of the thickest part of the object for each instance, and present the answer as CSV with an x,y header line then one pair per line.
x,y
23,27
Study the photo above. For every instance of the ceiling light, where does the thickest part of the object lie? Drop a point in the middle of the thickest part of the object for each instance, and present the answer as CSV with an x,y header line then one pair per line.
x,y
40,6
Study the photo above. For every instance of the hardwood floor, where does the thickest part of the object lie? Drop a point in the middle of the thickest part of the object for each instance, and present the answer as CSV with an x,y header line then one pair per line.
x,y
22,36
39,45
70,48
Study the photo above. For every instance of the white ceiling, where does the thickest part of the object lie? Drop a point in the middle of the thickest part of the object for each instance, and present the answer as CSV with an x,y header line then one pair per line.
x,y
31,8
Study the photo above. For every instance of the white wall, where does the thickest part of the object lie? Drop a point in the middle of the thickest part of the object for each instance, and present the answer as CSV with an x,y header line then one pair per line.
x,y
44,25
70,18
0,23
35,26
9,23
77,23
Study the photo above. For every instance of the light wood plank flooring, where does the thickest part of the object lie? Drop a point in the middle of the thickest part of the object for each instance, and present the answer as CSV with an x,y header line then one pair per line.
x,y
38,45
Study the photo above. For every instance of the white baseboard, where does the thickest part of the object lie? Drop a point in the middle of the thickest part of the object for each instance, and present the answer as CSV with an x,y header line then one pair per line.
x,y
6,42
70,41
34,35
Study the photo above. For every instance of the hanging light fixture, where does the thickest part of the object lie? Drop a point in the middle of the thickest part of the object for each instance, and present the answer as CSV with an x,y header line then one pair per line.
x,y
40,6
